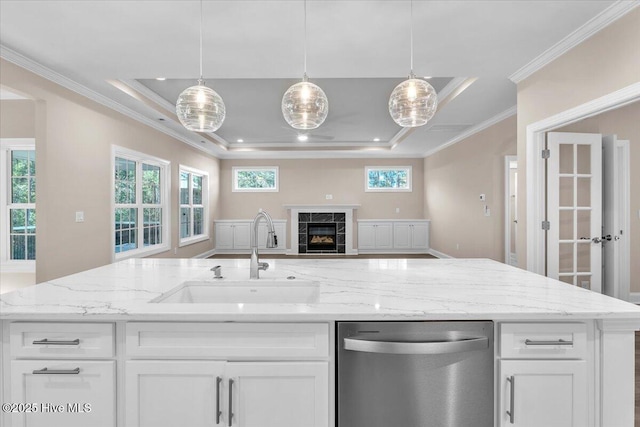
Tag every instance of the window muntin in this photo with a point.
(396, 178)
(193, 205)
(141, 191)
(255, 179)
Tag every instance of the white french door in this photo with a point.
(574, 209)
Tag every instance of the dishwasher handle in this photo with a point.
(431, 347)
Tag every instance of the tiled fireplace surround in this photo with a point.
(302, 215)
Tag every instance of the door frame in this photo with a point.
(507, 200)
(535, 165)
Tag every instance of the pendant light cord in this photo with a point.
(200, 39)
(305, 38)
(411, 26)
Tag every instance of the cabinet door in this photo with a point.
(543, 393)
(420, 236)
(242, 236)
(384, 235)
(224, 236)
(72, 394)
(278, 394)
(402, 236)
(174, 393)
(366, 236)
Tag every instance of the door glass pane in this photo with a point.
(565, 254)
(584, 224)
(18, 247)
(566, 158)
(31, 247)
(20, 190)
(584, 159)
(18, 221)
(566, 192)
(567, 279)
(584, 192)
(566, 225)
(584, 257)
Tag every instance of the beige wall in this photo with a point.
(624, 122)
(74, 136)
(308, 181)
(606, 62)
(17, 118)
(454, 179)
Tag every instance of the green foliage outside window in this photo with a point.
(256, 179)
(388, 178)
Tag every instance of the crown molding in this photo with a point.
(57, 78)
(477, 128)
(597, 23)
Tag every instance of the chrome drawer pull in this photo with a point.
(230, 402)
(512, 396)
(47, 342)
(559, 342)
(47, 371)
(218, 411)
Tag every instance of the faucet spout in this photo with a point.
(272, 242)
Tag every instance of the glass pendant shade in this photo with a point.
(200, 109)
(413, 102)
(305, 105)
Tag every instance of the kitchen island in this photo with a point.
(135, 355)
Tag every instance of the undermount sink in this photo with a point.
(262, 291)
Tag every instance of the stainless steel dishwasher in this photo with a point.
(415, 374)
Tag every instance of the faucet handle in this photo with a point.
(263, 266)
(217, 270)
(272, 240)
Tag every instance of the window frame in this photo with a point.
(205, 205)
(165, 206)
(234, 179)
(408, 169)
(7, 145)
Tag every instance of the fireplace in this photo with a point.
(321, 236)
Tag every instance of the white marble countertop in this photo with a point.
(350, 289)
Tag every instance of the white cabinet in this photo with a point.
(536, 386)
(375, 235)
(273, 394)
(411, 235)
(549, 393)
(393, 236)
(174, 393)
(234, 236)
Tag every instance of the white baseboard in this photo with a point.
(439, 254)
(206, 254)
(634, 297)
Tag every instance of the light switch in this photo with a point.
(483, 197)
(328, 196)
(487, 211)
(79, 216)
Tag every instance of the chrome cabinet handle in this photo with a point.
(230, 402)
(47, 371)
(218, 411)
(512, 395)
(47, 342)
(559, 342)
(436, 347)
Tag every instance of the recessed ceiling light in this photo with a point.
(161, 119)
(428, 77)
(302, 137)
(241, 140)
(376, 139)
(161, 79)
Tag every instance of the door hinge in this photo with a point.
(546, 154)
(546, 225)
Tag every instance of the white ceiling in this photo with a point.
(253, 50)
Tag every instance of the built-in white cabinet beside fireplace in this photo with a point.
(401, 236)
(234, 236)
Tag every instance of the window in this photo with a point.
(141, 194)
(194, 211)
(255, 179)
(395, 178)
(18, 247)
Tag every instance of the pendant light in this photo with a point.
(305, 105)
(199, 108)
(414, 101)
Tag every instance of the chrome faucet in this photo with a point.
(272, 242)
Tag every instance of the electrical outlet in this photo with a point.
(457, 246)
(79, 216)
(483, 197)
(584, 284)
(175, 251)
(397, 210)
(328, 196)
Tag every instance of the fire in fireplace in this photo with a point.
(321, 237)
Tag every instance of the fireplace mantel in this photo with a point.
(346, 209)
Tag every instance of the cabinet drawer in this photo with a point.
(543, 340)
(228, 340)
(61, 340)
